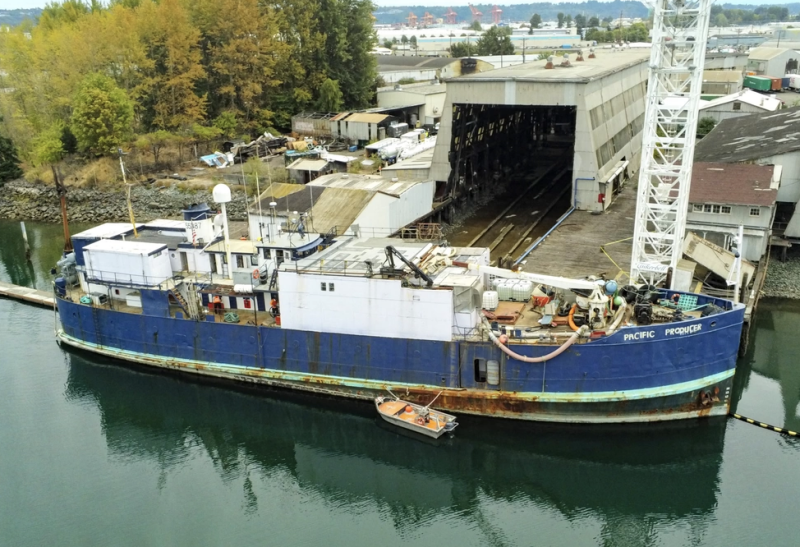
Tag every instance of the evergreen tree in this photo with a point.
(9, 162)
(173, 45)
(536, 21)
(330, 96)
(495, 41)
(560, 18)
(463, 49)
(102, 115)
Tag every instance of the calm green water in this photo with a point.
(94, 453)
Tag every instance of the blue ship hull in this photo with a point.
(646, 373)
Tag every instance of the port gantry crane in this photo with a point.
(450, 16)
(677, 57)
(476, 15)
(496, 15)
(412, 19)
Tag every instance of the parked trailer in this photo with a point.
(777, 84)
(758, 83)
(794, 81)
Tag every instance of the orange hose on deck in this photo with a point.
(572, 324)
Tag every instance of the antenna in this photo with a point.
(222, 195)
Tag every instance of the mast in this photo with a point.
(677, 58)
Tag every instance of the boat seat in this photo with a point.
(392, 407)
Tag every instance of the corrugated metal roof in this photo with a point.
(748, 96)
(728, 76)
(308, 165)
(338, 207)
(751, 137)
(370, 183)
(363, 117)
(766, 53)
(732, 184)
(278, 190)
(339, 116)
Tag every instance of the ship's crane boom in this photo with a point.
(549, 280)
(677, 58)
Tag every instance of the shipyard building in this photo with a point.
(583, 111)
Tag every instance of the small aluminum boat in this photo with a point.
(414, 417)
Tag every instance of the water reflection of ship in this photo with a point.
(621, 475)
(773, 353)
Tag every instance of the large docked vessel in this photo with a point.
(347, 316)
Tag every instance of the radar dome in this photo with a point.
(221, 193)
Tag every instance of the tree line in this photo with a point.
(90, 77)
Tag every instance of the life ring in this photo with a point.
(256, 274)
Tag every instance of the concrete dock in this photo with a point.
(575, 248)
(26, 294)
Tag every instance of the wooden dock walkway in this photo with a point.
(26, 294)
(575, 249)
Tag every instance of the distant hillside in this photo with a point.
(517, 12)
(13, 17)
(547, 10)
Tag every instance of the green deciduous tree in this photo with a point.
(102, 115)
(536, 21)
(475, 25)
(560, 17)
(48, 147)
(593, 22)
(9, 162)
(227, 124)
(330, 96)
(705, 125)
(413, 43)
(463, 49)
(154, 142)
(495, 41)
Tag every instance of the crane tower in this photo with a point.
(450, 16)
(476, 15)
(677, 57)
(496, 14)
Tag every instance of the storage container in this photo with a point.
(503, 288)
(758, 83)
(521, 292)
(777, 84)
(490, 300)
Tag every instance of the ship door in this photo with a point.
(480, 367)
(184, 262)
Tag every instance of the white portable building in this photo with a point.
(127, 262)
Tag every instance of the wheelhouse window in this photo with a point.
(755, 211)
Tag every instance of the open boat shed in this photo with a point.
(583, 110)
(305, 170)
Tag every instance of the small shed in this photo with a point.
(127, 263)
(304, 170)
(362, 127)
(313, 124)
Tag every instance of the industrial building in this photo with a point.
(726, 196)
(774, 62)
(590, 109)
(726, 61)
(427, 99)
(368, 205)
(721, 82)
(393, 68)
(770, 138)
(738, 104)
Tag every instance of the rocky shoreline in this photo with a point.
(783, 279)
(21, 200)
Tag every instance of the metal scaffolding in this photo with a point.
(680, 31)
